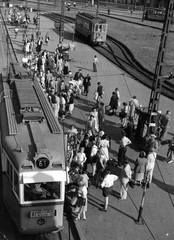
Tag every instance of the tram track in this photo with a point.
(121, 56)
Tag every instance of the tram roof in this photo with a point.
(91, 17)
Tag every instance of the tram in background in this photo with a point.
(33, 157)
(93, 29)
(155, 15)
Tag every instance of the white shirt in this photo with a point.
(94, 150)
(24, 59)
(125, 141)
(109, 180)
(151, 160)
(81, 158)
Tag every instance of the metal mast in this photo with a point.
(97, 10)
(38, 13)
(158, 79)
(61, 34)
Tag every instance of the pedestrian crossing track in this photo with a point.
(164, 184)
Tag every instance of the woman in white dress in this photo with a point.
(95, 113)
(103, 150)
(83, 193)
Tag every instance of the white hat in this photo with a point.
(101, 133)
(153, 135)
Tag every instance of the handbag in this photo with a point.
(131, 183)
(81, 201)
(74, 201)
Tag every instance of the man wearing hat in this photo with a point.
(152, 143)
(100, 89)
(91, 125)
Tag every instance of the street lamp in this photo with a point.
(61, 33)
(97, 10)
(144, 9)
(38, 14)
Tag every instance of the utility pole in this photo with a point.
(144, 10)
(26, 4)
(97, 10)
(62, 17)
(38, 13)
(158, 78)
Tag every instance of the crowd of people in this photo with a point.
(93, 145)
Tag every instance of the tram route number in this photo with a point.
(49, 213)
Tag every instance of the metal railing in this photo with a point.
(10, 49)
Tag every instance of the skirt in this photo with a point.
(107, 191)
(71, 107)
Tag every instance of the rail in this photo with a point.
(10, 48)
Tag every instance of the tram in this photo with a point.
(33, 157)
(93, 29)
(156, 15)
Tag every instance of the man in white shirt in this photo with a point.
(107, 186)
(151, 158)
(81, 157)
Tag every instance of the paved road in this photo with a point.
(118, 222)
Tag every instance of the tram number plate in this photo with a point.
(49, 213)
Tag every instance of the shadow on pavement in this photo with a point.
(166, 187)
(95, 202)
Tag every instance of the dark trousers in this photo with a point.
(121, 155)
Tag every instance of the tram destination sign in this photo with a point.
(48, 213)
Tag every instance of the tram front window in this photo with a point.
(41, 191)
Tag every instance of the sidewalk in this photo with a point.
(118, 222)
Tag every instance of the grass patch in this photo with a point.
(143, 42)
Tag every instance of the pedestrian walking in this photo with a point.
(81, 157)
(95, 63)
(123, 114)
(47, 38)
(86, 84)
(82, 192)
(113, 103)
(78, 75)
(71, 104)
(101, 116)
(103, 150)
(107, 186)
(94, 156)
(55, 100)
(165, 125)
(126, 176)
(39, 46)
(152, 143)
(170, 152)
(16, 30)
(151, 158)
(140, 167)
(123, 148)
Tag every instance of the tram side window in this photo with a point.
(104, 27)
(100, 27)
(9, 171)
(96, 29)
(16, 184)
(42, 191)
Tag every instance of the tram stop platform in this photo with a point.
(118, 222)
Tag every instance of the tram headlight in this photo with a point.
(41, 221)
